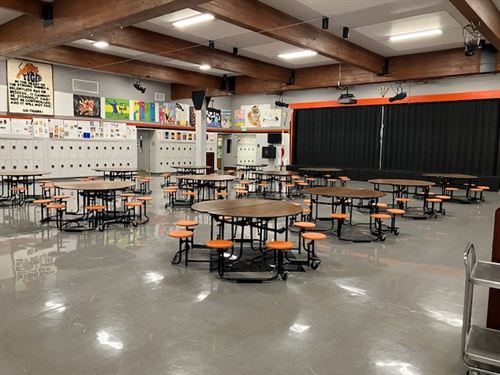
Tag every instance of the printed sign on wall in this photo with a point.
(213, 118)
(86, 106)
(30, 87)
(117, 109)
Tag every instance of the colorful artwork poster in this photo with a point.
(86, 106)
(181, 114)
(166, 112)
(253, 114)
(226, 118)
(271, 118)
(213, 118)
(30, 88)
(192, 116)
(117, 109)
(239, 118)
(143, 111)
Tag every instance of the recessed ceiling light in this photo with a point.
(205, 67)
(101, 44)
(193, 20)
(418, 34)
(297, 54)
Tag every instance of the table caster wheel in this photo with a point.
(315, 264)
(444, 212)
(284, 276)
(382, 237)
(396, 232)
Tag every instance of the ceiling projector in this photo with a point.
(346, 98)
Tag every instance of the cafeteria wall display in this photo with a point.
(167, 113)
(192, 116)
(30, 88)
(226, 118)
(143, 111)
(253, 114)
(213, 118)
(86, 106)
(117, 109)
(272, 118)
(181, 114)
(239, 118)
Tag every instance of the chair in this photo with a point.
(340, 217)
(190, 196)
(240, 193)
(221, 246)
(378, 224)
(402, 203)
(306, 214)
(278, 247)
(43, 206)
(19, 194)
(443, 199)
(144, 185)
(60, 208)
(476, 194)
(166, 179)
(433, 201)
(450, 190)
(171, 195)
(131, 214)
(395, 212)
(184, 237)
(97, 211)
(312, 260)
(221, 195)
(344, 180)
(303, 226)
(331, 182)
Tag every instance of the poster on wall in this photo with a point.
(239, 118)
(167, 113)
(213, 118)
(30, 87)
(253, 114)
(192, 117)
(86, 106)
(181, 114)
(271, 118)
(226, 118)
(143, 111)
(117, 109)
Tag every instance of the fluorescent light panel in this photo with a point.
(193, 20)
(418, 34)
(297, 54)
(205, 67)
(101, 44)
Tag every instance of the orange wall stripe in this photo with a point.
(472, 95)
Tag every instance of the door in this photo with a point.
(211, 161)
(144, 150)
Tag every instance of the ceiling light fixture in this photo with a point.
(418, 34)
(101, 44)
(193, 20)
(297, 54)
(205, 67)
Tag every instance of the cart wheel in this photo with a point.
(315, 264)
(284, 276)
(444, 212)
(396, 231)
(382, 238)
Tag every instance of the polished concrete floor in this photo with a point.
(112, 303)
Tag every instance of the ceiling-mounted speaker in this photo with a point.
(345, 32)
(325, 23)
(207, 101)
(198, 97)
(235, 51)
(47, 14)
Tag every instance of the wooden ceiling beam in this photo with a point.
(32, 7)
(79, 19)
(259, 17)
(164, 45)
(484, 15)
(423, 66)
(114, 64)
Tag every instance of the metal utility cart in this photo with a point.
(480, 345)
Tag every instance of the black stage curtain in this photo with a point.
(460, 137)
(337, 137)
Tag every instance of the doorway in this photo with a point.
(144, 138)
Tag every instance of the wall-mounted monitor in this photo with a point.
(274, 138)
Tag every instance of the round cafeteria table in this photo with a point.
(249, 215)
(272, 177)
(191, 169)
(24, 178)
(454, 180)
(122, 173)
(400, 188)
(247, 168)
(94, 192)
(209, 183)
(321, 172)
(345, 197)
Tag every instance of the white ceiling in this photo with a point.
(371, 23)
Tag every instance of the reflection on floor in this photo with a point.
(111, 303)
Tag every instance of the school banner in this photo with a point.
(30, 89)
(117, 109)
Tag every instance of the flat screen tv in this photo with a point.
(274, 138)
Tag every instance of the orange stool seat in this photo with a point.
(380, 216)
(219, 244)
(42, 201)
(306, 211)
(313, 236)
(396, 211)
(180, 234)
(222, 194)
(127, 195)
(339, 216)
(404, 200)
(279, 245)
(143, 199)
(483, 187)
(133, 204)
(434, 200)
(59, 197)
(381, 205)
(452, 189)
(307, 201)
(18, 188)
(190, 193)
(443, 197)
(171, 189)
(187, 223)
(304, 224)
(96, 207)
(477, 189)
(166, 174)
(56, 205)
(295, 177)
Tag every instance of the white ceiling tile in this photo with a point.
(7, 15)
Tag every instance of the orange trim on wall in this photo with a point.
(472, 95)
